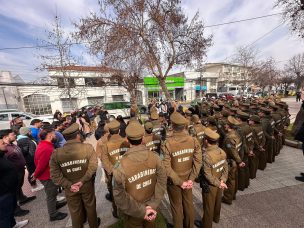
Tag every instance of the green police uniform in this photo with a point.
(247, 149)
(112, 151)
(215, 169)
(152, 141)
(76, 162)
(198, 129)
(139, 181)
(232, 146)
(268, 128)
(183, 160)
(260, 158)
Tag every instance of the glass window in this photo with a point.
(3, 117)
(69, 104)
(117, 97)
(95, 100)
(38, 104)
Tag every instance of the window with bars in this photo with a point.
(68, 104)
(38, 104)
(95, 100)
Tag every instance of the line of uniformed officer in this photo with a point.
(140, 177)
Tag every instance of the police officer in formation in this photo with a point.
(74, 167)
(221, 147)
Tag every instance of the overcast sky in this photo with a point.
(24, 22)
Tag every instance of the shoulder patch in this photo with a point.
(116, 165)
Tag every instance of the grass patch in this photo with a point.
(161, 222)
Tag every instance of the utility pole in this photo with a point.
(4, 97)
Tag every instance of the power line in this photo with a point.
(238, 21)
(76, 43)
(258, 39)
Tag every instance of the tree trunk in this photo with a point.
(133, 97)
(162, 83)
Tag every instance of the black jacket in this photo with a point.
(8, 176)
(28, 148)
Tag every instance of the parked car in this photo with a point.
(7, 115)
(122, 108)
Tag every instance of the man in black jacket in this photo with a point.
(8, 183)
(28, 146)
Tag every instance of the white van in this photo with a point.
(7, 115)
(230, 89)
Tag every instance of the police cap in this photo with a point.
(255, 118)
(74, 128)
(154, 115)
(148, 126)
(242, 115)
(211, 135)
(178, 119)
(195, 119)
(114, 125)
(265, 110)
(188, 112)
(232, 121)
(135, 131)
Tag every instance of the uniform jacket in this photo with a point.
(74, 162)
(180, 151)
(215, 165)
(127, 204)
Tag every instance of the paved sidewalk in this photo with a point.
(274, 199)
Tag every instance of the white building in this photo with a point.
(86, 87)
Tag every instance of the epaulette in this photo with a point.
(116, 165)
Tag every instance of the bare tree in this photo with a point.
(295, 69)
(157, 31)
(246, 58)
(58, 57)
(286, 81)
(265, 74)
(293, 13)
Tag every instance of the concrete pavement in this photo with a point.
(274, 198)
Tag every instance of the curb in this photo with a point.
(292, 143)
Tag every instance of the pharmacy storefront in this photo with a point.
(175, 87)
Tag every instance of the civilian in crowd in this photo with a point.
(57, 115)
(9, 185)
(123, 125)
(16, 124)
(60, 141)
(36, 125)
(28, 147)
(42, 158)
(14, 155)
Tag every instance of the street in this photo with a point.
(273, 199)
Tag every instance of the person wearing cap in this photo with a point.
(212, 123)
(198, 129)
(101, 141)
(158, 127)
(232, 146)
(247, 149)
(260, 158)
(36, 125)
(139, 181)
(73, 167)
(152, 141)
(276, 116)
(183, 160)
(267, 124)
(111, 152)
(215, 168)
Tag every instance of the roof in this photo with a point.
(103, 69)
